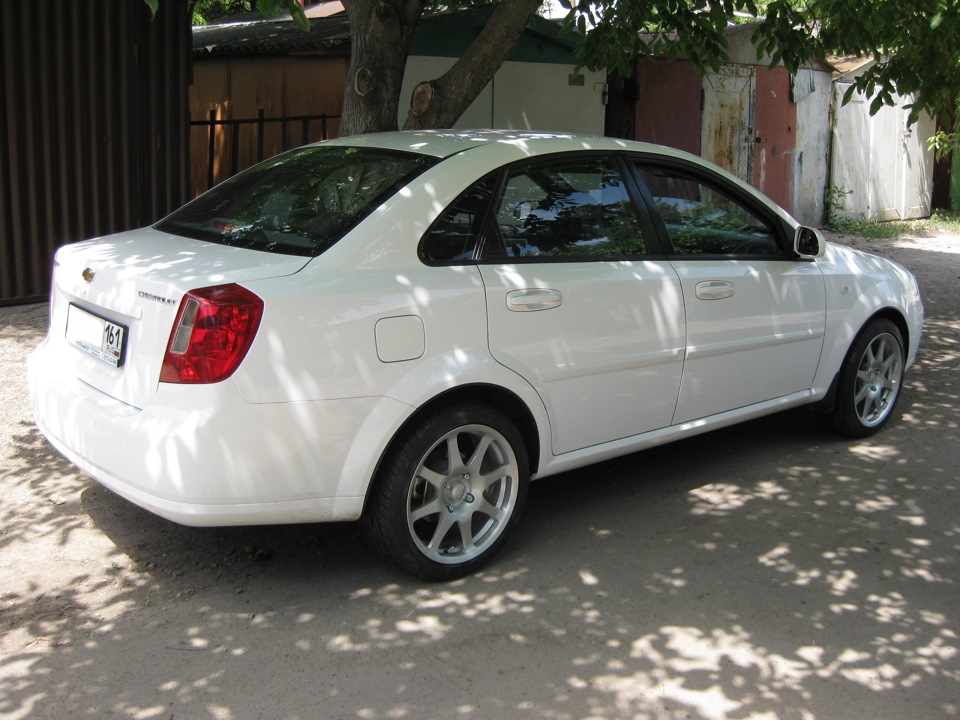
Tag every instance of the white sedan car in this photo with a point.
(407, 328)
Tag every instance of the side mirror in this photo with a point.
(809, 242)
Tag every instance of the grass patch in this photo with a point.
(940, 223)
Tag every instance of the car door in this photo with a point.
(755, 314)
(576, 302)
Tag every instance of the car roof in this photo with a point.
(504, 146)
(444, 143)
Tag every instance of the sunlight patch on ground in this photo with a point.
(876, 453)
(719, 499)
(942, 243)
(722, 672)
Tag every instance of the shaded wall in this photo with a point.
(93, 127)
(546, 96)
(775, 137)
(669, 105)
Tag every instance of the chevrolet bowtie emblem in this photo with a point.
(89, 274)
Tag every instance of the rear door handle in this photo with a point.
(714, 290)
(533, 299)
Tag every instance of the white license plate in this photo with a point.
(98, 336)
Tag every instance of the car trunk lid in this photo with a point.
(114, 301)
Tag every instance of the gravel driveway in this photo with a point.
(769, 570)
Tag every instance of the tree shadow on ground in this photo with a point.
(764, 570)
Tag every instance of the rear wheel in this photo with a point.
(870, 380)
(449, 492)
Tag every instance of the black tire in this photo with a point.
(438, 507)
(869, 383)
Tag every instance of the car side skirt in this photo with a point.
(625, 446)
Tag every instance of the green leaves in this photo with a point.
(154, 5)
(272, 8)
(915, 46)
(944, 143)
(299, 16)
(691, 29)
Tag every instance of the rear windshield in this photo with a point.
(298, 203)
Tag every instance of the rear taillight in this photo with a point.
(212, 333)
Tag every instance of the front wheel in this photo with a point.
(449, 492)
(870, 380)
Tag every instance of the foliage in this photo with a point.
(941, 222)
(205, 11)
(272, 8)
(616, 31)
(833, 198)
(944, 143)
(915, 45)
(876, 229)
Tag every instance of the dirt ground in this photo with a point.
(770, 570)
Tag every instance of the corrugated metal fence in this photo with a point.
(93, 127)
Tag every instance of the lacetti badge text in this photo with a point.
(156, 298)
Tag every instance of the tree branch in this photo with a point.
(440, 102)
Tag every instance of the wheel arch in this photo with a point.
(894, 315)
(897, 318)
(495, 396)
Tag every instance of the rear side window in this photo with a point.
(571, 208)
(298, 203)
(456, 235)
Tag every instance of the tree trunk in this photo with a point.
(439, 103)
(380, 33)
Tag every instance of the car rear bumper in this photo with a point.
(231, 463)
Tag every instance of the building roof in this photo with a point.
(848, 65)
(444, 34)
(272, 37)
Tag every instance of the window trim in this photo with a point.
(649, 233)
(718, 184)
(481, 223)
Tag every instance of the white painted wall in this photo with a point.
(522, 96)
(812, 153)
(883, 167)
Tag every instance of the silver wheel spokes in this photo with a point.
(878, 379)
(462, 494)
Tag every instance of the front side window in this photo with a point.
(298, 203)
(575, 208)
(701, 219)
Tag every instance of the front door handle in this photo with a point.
(714, 290)
(533, 299)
